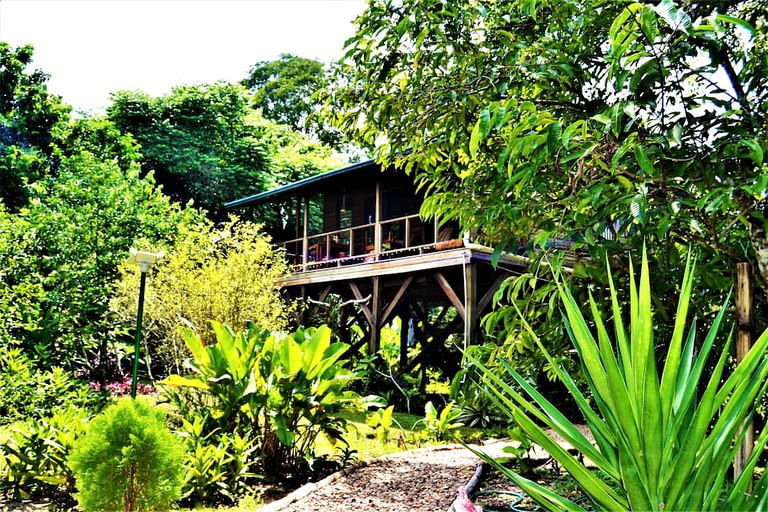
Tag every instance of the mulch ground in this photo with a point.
(425, 479)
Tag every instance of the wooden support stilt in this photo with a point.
(321, 298)
(302, 317)
(324, 294)
(744, 320)
(358, 318)
(396, 300)
(373, 346)
(470, 303)
(452, 296)
(377, 234)
(404, 325)
(359, 296)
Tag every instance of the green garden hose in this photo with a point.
(518, 498)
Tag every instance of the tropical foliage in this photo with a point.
(663, 440)
(281, 389)
(197, 142)
(205, 144)
(34, 458)
(440, 425)
(230, 273)
(282, 88)
(29, 116)
(59, 255)
(286, 91)
(591, 126)
(31, 393)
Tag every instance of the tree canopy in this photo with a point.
(73, 201)
(28, 116)
(286, 91)
(206, 144)
(594, 124)
(197, 141)
(76, 194)
(283, 88)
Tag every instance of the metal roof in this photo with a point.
(296, 186)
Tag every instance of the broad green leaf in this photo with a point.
(554, 134)
(191, 382)
(755, 151)
(281, 430)
(675, 18)
(623, 32)
(624, 182)
(474, 140)
(648, 24)
(645, 77)
(748, 27)
(643, 161)
(291, 356)
(330, 356)
(480, 131)
(195, 345)
(314, 348)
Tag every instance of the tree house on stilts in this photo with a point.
(356, 232)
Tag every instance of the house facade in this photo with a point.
(356, 232)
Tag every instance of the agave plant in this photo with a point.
(661, 441)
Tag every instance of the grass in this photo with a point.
(361, 438)
(246, 504)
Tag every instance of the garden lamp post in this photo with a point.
(145, 261)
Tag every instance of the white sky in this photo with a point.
(94, 47)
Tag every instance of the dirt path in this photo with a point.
(425, 480)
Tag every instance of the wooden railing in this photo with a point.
(361, 244)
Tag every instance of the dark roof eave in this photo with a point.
(293, 188)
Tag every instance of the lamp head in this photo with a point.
(144, 260)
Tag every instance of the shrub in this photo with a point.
(218, 466)
(32, 393)
(478, 409)
(36, 451)
(663, 441)
(230, 274)
(440, 426)
(59, 255)
(127, 460)
(381, 421)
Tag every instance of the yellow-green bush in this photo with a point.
(228, 274)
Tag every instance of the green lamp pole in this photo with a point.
(145, 262)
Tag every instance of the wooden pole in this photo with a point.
(405, 320)
(744, 320)
(373, 346)
(377, 234)
(470, 303)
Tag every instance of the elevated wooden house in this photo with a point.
(356, 232)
